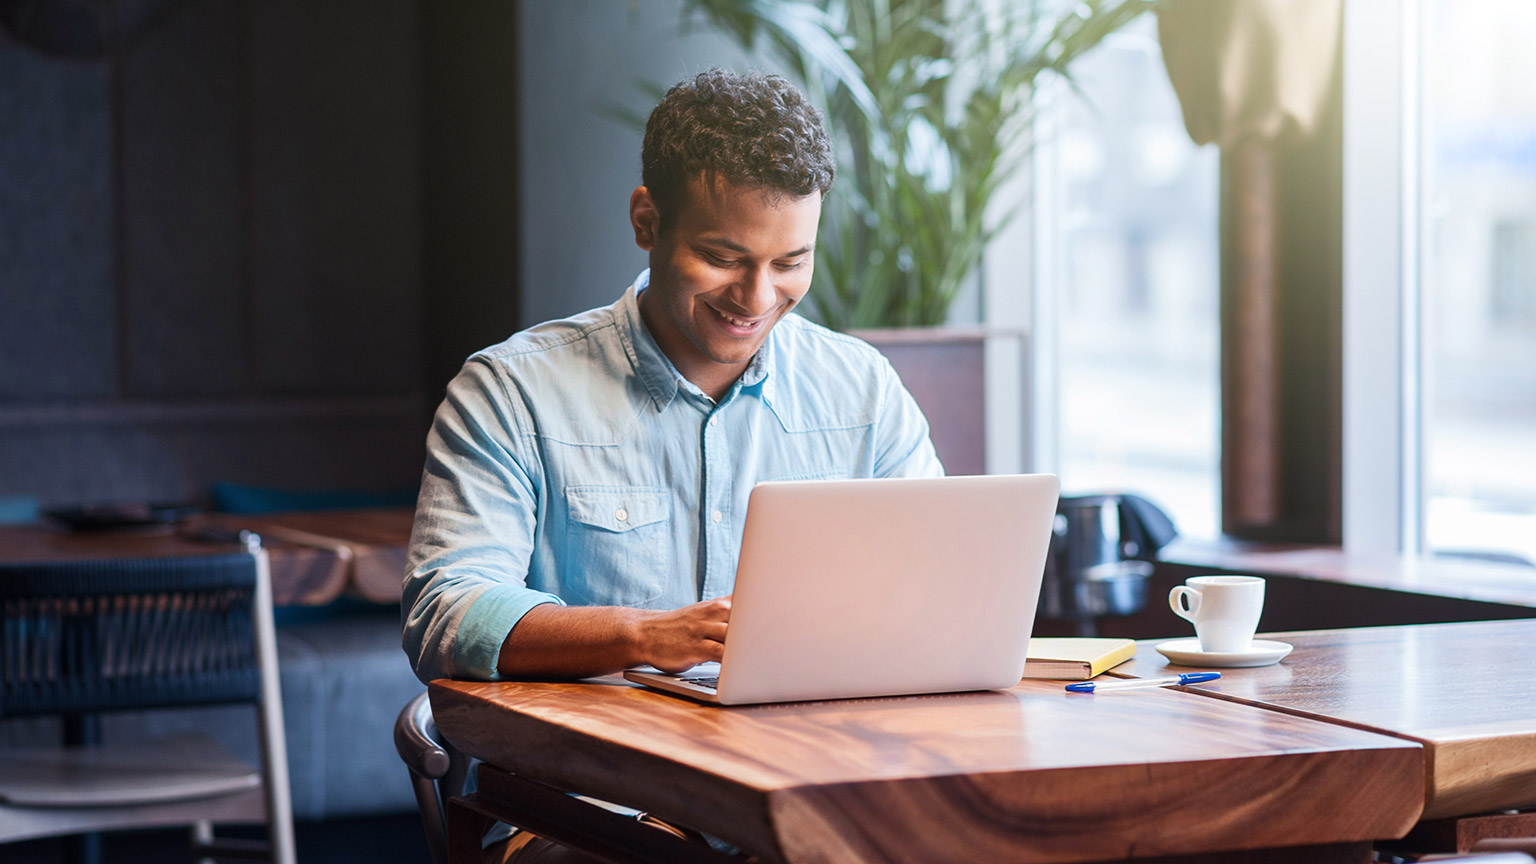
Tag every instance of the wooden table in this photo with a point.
(1466, 692)
(1032, 773)
(315, 557)
(367, 547)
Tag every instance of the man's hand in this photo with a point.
(582, 641)
(674, 641)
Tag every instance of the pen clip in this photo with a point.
(1197, 677)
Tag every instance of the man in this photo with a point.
(586, 481)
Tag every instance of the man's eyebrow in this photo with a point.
(742, 250)
(726, 243)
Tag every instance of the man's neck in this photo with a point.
(717, 390)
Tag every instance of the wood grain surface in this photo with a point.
(315, 557)
(1033, 773)
(1459, 835)
(46, 542)
(1467, 692)
(301, 575)
(369, 544)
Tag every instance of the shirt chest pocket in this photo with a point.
(617, 545)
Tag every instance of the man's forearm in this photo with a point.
(582, 641)
(571, 642)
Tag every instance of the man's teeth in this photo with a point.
(737, 321)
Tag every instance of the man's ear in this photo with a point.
(644, 218)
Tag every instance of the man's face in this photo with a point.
(731, 262)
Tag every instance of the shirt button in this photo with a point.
(621, 514)
(714, 421)
(717, 515)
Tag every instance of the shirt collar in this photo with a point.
(762, 362)
(661, 378)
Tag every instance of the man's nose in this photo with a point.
(758, 294)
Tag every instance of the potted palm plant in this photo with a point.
(929, 103)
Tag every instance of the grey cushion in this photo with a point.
(346, 681)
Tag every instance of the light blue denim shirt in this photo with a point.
(573, 464)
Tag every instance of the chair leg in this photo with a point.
(83, 730)
(83, 849)
(202, 838)
(274, 741)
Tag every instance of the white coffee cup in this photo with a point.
(1224, 609)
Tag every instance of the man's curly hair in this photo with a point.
(751, 130)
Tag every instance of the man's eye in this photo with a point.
(792, 265)
(717, 260)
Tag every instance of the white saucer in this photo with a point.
(1186, 652)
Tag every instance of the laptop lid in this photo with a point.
(885, 587)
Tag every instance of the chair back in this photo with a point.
(437, 770)
(84, 636)
(80, 637)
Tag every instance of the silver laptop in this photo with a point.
(888, 587)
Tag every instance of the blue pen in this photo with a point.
(1186, 678)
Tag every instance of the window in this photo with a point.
(1127, 310)
(1440, 213)
(1479, 276)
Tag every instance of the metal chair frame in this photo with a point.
(80, 638)
(437, 771)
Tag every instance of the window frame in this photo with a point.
(1383, 458)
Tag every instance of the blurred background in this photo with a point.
(250, 242)
(1273, 265)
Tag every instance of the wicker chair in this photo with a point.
(83, 637)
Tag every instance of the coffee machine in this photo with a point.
(1100, 558)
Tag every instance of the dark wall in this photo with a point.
(214, 248)
(469, 182)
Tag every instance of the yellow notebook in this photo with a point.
(1074, 659)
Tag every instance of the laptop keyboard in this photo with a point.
(711, 683)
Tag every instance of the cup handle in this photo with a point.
(1190, 596)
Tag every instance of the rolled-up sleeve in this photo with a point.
(466, 572)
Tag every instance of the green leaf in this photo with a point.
(929, 104)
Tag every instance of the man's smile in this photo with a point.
(746, 324)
